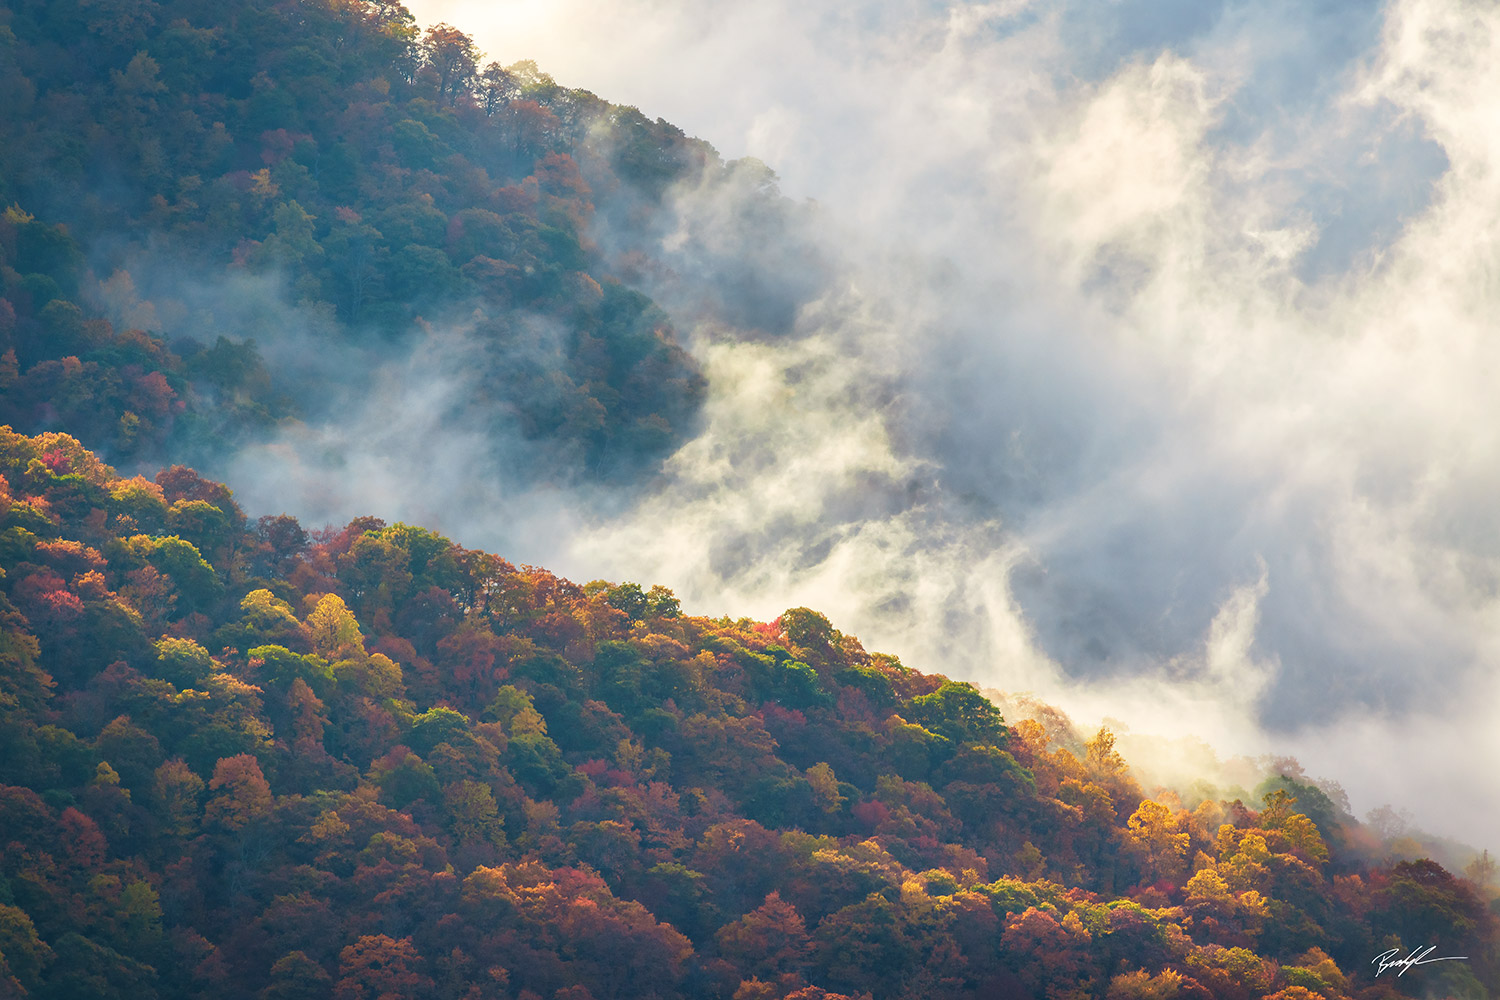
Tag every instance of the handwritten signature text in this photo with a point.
(1388, 960)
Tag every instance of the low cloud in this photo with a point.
(1146, 361)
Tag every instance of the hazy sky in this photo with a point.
(1155, 370)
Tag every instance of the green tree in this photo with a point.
(24, 956)
(297, 977)
(959, 712)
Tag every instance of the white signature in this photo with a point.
(1388, 959)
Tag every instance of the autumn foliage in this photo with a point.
(195, 196)
(248, 760)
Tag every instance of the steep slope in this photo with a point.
(220, 213)
(245, 761)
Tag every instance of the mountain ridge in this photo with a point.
(248, 759)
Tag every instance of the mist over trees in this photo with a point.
(368, 178)
(251, 758)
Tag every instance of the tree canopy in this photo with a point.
(271, 765)
(200, 195)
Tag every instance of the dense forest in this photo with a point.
(186, 181)
(251, 758)
(244, 760)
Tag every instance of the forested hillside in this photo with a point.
(186, 178)
(247, 758)
(242, 760)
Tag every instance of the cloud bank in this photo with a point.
(1151, 369)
